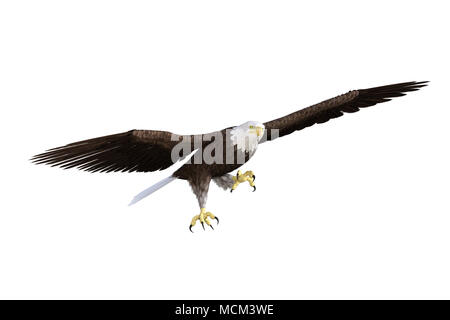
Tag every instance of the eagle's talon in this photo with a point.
(203, 217)
(240, 177)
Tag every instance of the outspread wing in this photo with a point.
(336, 107)
(135, 150)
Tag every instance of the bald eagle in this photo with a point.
(210, 156)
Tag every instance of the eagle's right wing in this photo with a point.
(335, 107)
(135, 150)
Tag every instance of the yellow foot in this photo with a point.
(243, 177)
(203, 217)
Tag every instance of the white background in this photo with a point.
(354, 208)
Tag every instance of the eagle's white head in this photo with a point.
(247, 135)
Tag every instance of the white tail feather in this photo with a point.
(164, 181)
(152, 189)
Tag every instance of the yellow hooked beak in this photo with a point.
(259, 131)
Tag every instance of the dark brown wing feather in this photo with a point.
(336, 107)
(135, 150)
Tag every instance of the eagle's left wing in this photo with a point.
(135, 150)
(336, 107)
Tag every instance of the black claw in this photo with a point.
(190, 228)
(231, 191)
(254, 177)
(254, 188)
(217, 219)
(203, 225)
(211, 227)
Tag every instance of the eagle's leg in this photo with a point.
(200, 186)
(240, 177)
